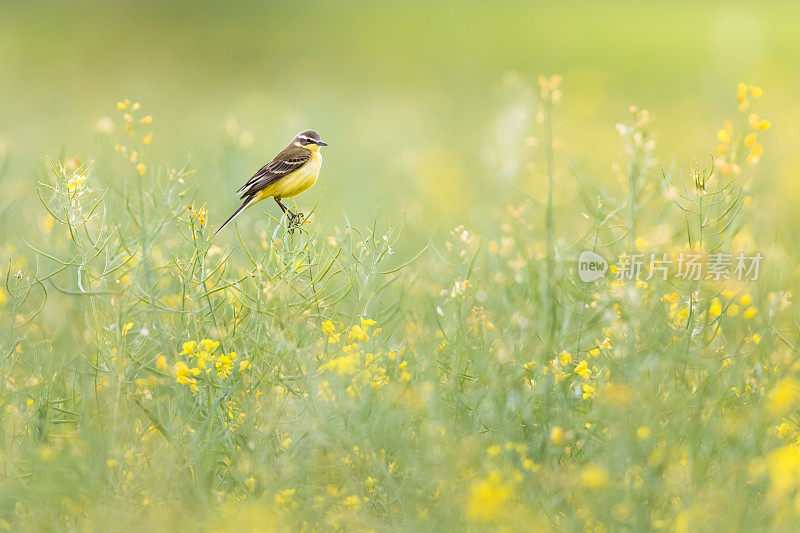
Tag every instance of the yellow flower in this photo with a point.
(557, 435)
(750, 313)
(723, 136)
(733, 310)
(582, 369)
(752, 120)
(750, 140)
(755, 154)
(366, 323)
(140, 168)
(189, 347)
(328, 328)
(487, 498)
(148, 138)
(224, 365)
(783, 466)
(672, 297)
(285, 496)
(756, 338)
(764, 124)
(183, 375)
(783, 396)
(565, 357)
(250, 483)
(756, 91)
(244, 365)
(209, 345)
(741, 92)
(594, 477)
(342, 365)
(161, 362)
(146, 120)
(121, 106)
(715, 309)
(126, 328)
(353, 502)
(746, 299)
(643, 433)
(357, 332)
(588, 391)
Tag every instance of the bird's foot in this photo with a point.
(295, 220)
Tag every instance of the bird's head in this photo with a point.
(308, 139)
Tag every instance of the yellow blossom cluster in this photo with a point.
(130, 109)
(364, 367)
(734, 146)
(204, 361)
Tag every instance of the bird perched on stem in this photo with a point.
(294, 170)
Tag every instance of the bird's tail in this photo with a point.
(245, 204)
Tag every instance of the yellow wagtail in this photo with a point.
(294, 170)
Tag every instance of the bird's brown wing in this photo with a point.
(290, 159)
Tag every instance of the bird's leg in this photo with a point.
(294, 220)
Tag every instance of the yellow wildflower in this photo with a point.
(357, 332)
(328, 328)
(715, 309)
(146, 120)
(582, 369)
(285, 496)
(183, 375)
(342, 365)
(783, 396)
(487, 498)
(209, 345)
(594, 477)
(783, 466)
(189, 348)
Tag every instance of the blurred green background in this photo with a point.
(425, 105)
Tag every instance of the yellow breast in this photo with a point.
(298, 181)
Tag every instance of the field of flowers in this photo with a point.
(338, 378)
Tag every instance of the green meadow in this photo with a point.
(545, 279)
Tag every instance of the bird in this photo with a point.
(294, 170)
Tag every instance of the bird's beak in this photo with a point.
(321, 143)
